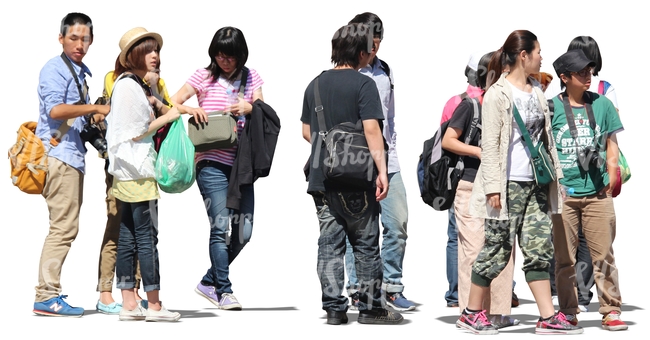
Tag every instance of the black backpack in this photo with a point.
(438, 170)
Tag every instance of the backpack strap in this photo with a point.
(463, 95)
(474, 126)
(386, 68)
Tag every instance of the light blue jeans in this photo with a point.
(394, 217)
(452, 258)
(212, 179)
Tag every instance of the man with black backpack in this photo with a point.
(343, 95)
(64, 110)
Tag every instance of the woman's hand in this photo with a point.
(155, 103)
(200, 116)
(494, 200)
(241, 108)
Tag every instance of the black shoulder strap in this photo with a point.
(82, 93)
(244, 79)
(463, 95)
(146, 88)
(320, 111)
(386, 68)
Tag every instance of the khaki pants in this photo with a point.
(108, 251)
(471, 237)
(596, 215)
(63, 193)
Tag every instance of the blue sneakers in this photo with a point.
(57, 307)
(110, 309)
(398, 302)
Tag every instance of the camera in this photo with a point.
(590, 155)
(95, 134)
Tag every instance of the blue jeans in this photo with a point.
(212, 179)
(355, 216)
(138, 237)
(394, 217)
(452, 258)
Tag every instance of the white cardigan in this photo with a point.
(130, 117)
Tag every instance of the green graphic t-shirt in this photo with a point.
(584, 183)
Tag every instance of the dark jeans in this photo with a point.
(584, 272)
(138, 237)
(355, 215)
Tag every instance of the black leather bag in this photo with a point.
(345, 156)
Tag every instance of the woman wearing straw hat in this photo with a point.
(131, 162)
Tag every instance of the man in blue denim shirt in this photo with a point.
(394, 210)
(61, 103)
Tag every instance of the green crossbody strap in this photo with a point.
(524, 132)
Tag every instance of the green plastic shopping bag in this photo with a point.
(624, 167)
(175, 171)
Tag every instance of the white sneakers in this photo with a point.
(162, 315)
(140, 313)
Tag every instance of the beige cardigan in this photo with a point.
(495, 137)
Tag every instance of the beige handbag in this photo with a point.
(220, 131)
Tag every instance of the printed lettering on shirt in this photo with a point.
(570, 146)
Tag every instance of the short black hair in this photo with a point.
(348, 42)
(74, 18)
(230, 42)
(371, 20)
(588, 45)
(482, 74)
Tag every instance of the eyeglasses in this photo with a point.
(229, 59)
(584, 72)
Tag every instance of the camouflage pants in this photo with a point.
(529, 221)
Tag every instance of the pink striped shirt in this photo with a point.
(212, 96)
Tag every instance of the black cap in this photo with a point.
(572, 61)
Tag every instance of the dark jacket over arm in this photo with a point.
(255, 151)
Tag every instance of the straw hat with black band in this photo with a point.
(133, 36)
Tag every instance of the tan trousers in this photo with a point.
(471, 237)
(108, 251)
(596, 215)
(63, 193)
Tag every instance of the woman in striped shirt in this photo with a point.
(214, 87)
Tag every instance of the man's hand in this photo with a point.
(102, 109)
(382, 186)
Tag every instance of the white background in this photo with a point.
(275, 276)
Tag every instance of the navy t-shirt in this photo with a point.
(346, 96)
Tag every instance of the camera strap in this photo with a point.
(571, 118)
(83, 93)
